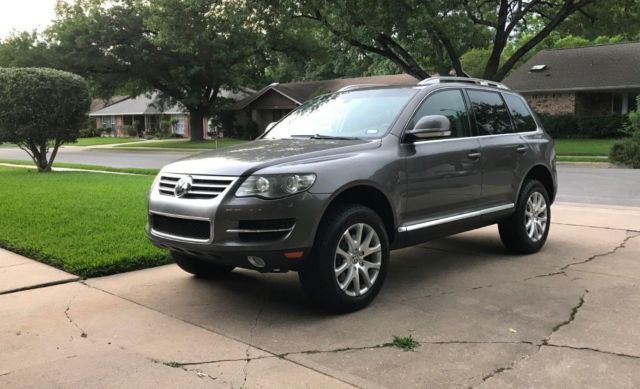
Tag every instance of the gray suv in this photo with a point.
(332, 188)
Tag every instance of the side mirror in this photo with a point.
(431, 126)
(270, 126)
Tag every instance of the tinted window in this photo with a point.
(490, 112)
(522, 117)
(449, 103)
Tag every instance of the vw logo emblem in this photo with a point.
(183, 186)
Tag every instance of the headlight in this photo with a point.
(276, 185)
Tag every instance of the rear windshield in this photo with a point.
(358, 114)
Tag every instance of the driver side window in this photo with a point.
(449, 103)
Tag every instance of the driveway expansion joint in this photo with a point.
(40, 286)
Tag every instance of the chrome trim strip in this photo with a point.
(247, 231)
(449, 219)
(200, 177)
(538, 131)
(180, 216)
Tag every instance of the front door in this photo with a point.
(444, 175)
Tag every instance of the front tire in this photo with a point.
(526, 231)
(349, 260)
(198, 267)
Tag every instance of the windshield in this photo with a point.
(351, 114)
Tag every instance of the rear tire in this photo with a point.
(526, 231)
(349, 260)
(198, 267)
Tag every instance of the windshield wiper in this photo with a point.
(320, 136)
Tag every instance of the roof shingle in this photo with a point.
(603, 67)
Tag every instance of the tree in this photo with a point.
(41, 109)
(25, 49)
(189, 50)
(605, 18)
(425, 36)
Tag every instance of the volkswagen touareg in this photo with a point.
(333, 187)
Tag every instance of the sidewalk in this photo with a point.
(20, 273)
(564, 317)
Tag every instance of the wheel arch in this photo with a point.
(368, 195)
(542, 174)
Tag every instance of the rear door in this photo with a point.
(444, 174)
(501, 146)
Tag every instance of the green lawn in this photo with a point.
(584, 147)
(89, 224)
(95, 141)
(187, 144)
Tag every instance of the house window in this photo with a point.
(109, 122)
(178, 127)
(617, 103)
(633, 102)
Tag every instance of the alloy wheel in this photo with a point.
(358, 259)
(535, 216)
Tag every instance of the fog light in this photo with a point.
(256, 261)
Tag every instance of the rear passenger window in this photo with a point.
(449, 103)
(522, 117)
(491, 113)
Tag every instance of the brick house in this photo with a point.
(272, 102)
(584, 81)
(145, 114)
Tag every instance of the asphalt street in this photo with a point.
(577, 184)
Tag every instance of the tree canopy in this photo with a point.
(189, 50)
(41, 109)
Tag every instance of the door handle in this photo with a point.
(521, 149)
(474, 155)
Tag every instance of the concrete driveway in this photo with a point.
(565, 317)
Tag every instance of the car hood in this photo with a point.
(249, 157)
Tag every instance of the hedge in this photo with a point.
(571, 126)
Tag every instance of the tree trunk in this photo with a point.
(196, 129)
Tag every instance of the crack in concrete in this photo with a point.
(572, 315)
(246, 365)
(341, 349)
(610, 252)
(591, 349)
(83, 334)
(598, 227)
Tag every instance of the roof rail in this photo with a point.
(468, 80)
(359, 86)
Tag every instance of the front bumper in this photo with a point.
(225, 244)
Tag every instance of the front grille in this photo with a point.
(183, 228)
(204, 187)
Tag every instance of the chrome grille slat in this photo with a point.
(203, 187)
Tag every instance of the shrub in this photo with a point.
(41, 109)
(571, 126)
(89, 133)
(627, 152)
(130, 130)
